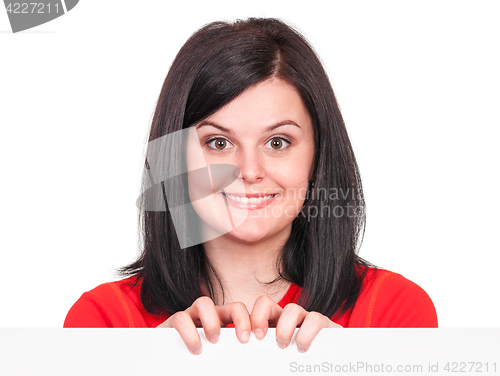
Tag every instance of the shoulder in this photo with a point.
(388, 299)
(111, 304)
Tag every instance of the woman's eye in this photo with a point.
(218, 144)
(278, 143)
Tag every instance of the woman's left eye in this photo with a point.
(278, 143)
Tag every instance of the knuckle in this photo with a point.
(179, 318)
(238, 306)
(258, 320)
(316, 317)
(294, 309)
(212, 325)
(264, 300)
(203, 301)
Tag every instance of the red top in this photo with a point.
(387, 299)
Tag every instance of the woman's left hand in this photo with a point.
(267, 313)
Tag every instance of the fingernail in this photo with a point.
(259, 333)
(197, 351)
(282, 345)
(214, 338)
(301, 349)
(245, 337)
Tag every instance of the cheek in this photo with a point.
(293, 179)
(294, 187)
(294, 173)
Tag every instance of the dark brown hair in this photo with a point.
(214, 66)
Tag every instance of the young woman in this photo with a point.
(275, 239)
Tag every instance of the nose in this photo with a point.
(251, 166)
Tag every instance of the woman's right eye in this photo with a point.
(218, 144)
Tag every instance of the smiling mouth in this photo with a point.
(249, 200)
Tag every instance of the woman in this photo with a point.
(264, 163)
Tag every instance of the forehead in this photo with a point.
(269, 102)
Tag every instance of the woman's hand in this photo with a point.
(203, 312)
(266, 312)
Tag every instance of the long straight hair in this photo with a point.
(214, 66)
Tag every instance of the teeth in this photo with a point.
(246, 200)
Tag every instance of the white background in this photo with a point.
(418, 84)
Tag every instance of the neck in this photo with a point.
(245, 270)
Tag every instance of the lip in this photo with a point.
(249, 205)
(250, 195)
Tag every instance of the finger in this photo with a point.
(311, 326)
(203, 309)
(236, 313)
(265, 312)
(292, 316)
(183, 323)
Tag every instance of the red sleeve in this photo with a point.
(394, 301)
(99, 308)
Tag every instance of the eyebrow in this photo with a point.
(266, 130)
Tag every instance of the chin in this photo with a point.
(251, 232)
(249, 235)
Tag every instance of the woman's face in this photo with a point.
(268, 134)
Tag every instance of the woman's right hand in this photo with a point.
(204, 313)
